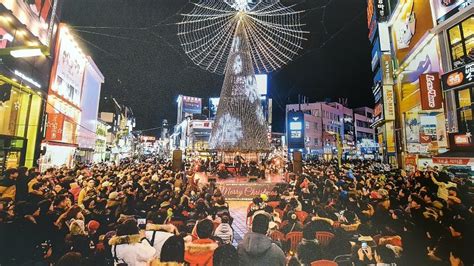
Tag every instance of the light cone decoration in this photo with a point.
(239, 38)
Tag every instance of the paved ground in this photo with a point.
(238, 210)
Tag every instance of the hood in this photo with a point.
(129, 239)
(200, 251)
(224, 229)
(256, 244)
(162, 227)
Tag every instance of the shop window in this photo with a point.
(14, 113)
(461, 42)
(465, 110)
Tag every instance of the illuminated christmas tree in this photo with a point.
(235, 38)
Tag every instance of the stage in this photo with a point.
(239, 187)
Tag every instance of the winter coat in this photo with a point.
(157, 237)
(258, 249)
(7, 188)
(200, 252)
(224, 231)
(308, 251)
(132, 250)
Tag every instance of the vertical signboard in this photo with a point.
(295, 130)
(68, 68)
(54, 127)
(430, 90)
(389, 103)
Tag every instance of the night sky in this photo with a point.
(134, 43)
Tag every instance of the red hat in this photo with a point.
(93, 225)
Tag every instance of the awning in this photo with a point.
(455, 158)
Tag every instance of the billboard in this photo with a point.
(410, 25)
(191, 105)
(295, 130)
(262, 84)
(444, 9)
(430, 90)
(68, 69)
(213, 104)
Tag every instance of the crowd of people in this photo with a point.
(142, 212)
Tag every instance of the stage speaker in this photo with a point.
(297, 162)
(177, 160)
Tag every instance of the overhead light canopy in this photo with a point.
(26, 52)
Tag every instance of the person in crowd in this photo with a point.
(130, 247)
(8, 184)
(225, 255)
(257, 248)
(158, 234)
(309, 249)
(200, 252)
(224, 231)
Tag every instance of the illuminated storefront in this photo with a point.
(456, 39)
(25, 38)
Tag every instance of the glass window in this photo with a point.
(465, 110)
(14, 112)
(461, 42)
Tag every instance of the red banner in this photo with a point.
(453, 160)
(430, 89)
(54, 127)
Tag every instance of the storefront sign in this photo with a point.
(54, 127)
(381, 10)
(389, 103)
(244, 191)
(463, 139)
(27, 79)
(430, 89)
(459, 77)
(451, 161)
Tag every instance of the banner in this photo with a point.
(244, 191)
(54, 127)
(430, 89)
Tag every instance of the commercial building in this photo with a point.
(26, 34)
(366, 144)
(423, 65)
(317, 129)
(63, 110)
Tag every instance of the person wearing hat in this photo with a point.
(257, 248)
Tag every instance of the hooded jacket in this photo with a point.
(224, 231)
(157, 236)
(132, 250)
(200, 252)
(258, 249)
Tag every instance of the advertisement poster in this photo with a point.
(430, 90)
(69, 71)
(390, 137)
(192, 105)
(428, 132)
(410, 26)
(441, 131)
(412, 127)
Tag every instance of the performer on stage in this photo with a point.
(238, 160)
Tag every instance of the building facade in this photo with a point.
(27, 32)
(324, 126)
